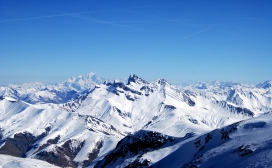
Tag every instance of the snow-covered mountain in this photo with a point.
(28, 131)
(79, 121)
(265, 85)
(255, 98)
(242, 144)
(38, 93)
(81, 83)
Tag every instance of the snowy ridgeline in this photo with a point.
(242, 144)
(87, 121)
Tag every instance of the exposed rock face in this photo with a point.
(1, 134)
(233, 109)
(135, 79)
(266, 84)
(243, 150)
(136, 145)
(49, 142)
(19, 145)
(93, 154)
(188, 100)
(219, 136)
(62, 156)
(74, 104)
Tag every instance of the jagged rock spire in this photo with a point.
(135, 79)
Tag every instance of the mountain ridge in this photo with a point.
(82, 127)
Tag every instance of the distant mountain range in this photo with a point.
(88, 121)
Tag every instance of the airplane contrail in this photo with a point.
(88, 18)
(69, 14)
(108, 23)
(215, 25)
(77, 15)
(198, 32)
(47, 16)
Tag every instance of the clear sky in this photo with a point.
(182, 41)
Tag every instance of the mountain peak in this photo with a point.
(82, 82)
(91, 74)
(135, 79)
(201, 85)
(265, 85)
(222, 85)
(161, 81)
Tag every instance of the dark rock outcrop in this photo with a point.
(136, 145)
(63, 155)
(93, 154)
(135, 79)
(19, 145)
(233, 109)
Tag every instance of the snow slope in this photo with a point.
(7, 161)
(78, 122)
(26, 131)
(161, 107)
(243, 144)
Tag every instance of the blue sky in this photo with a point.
(181, 41)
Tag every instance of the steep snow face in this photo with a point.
(27, 131)
(242, 144)
(161, 107)
(132, 147)
(136, 105)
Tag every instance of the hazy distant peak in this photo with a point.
(161, 81)
(91, 74)
(265, 85)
